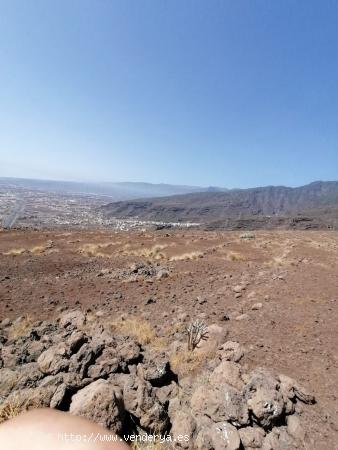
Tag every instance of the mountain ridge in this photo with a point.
(234, 203)
(116, 190)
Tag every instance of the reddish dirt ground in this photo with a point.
(293, 275)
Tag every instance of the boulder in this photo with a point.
(167, 392)
(279, 439)
(291, 389)
(251, 437)
(227, 373)
(242, 317)
(60, 397)
(9, 380)
(162, 273)
(294, 428)
(142, 402)
(107, 363)
(129, 353)
(218, 436)
(155, 368)
(102, 403)
(231, 351)
(183, 425)
(54, 359)
(264, 399)
(256, 306)
(85, 357)
(29, 376)
(238, 288)
(75, 319)
(220, 403)
(225, 436)
(76, 341)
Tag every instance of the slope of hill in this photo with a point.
(210, 206)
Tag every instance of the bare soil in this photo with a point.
(290, 276)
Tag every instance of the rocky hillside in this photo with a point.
(211, 206)
(133, 386)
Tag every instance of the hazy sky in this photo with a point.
(232, 93)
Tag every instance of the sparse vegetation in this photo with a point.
(94, 250)
(14, 252)
(13, 408)
(20, 327)
(9, 411)
(155, 252)
(235, 256)
(185, 362)
(197, 331)
(136, 327)
(187, 256)
(35, 250)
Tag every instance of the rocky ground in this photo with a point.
(103, 315)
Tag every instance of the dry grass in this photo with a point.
(16, 405)
(21, 327)
(187, 256)
(280, 260)
(136, 327)
(159, 344)
(9, 411)
(12, 409)
(94, 250)
(176, 327)
(185, 362)
(14, 252)
(235, 257)
(37, 249)
(154, 252)
(91, 321)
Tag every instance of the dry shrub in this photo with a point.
(176, 327)
(154, 252)
(187, 256)
(235, 256)
(279, 261)
(15, 252)
(185, 362)
(94, 250)
(10, 410)
(91, 322)
(159, 344)
(21, 327)
(37, 249)
(136, 327)
(13, 408)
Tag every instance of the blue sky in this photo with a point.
(230, 93)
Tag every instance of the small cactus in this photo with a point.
(197, 331)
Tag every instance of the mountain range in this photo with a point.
(320, 197)
(117, 191)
